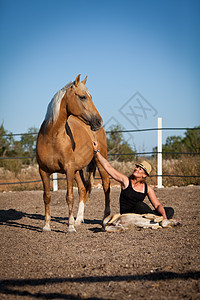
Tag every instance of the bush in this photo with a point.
(13, 165)
(185, 166)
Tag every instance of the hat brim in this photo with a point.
(143, 167)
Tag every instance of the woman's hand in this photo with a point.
(95, 145)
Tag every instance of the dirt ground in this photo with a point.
(92, 264)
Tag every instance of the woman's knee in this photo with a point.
(142, 208)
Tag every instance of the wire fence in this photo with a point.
(135, 154)
(121, 131)
(153, 153)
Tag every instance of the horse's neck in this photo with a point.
(58, 124)
(63, 115)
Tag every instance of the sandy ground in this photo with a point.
(92, 264)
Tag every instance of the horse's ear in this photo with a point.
(84, 80)
(77, 79)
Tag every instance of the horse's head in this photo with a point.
(80, 104)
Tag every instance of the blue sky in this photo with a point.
(142, 59)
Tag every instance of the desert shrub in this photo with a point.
(185, 166)
(13, 165)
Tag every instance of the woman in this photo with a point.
(134, 189)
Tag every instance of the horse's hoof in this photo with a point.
(46, 229)
(71, 229)
(79, 222)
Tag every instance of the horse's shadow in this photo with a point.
(11, 217)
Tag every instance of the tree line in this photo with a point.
(25, 146)
(175, 146)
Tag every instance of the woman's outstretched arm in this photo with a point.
(123, 179)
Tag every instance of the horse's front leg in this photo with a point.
(46, 197)
(70, 200)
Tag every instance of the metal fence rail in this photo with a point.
(121, 131)
(113, 154)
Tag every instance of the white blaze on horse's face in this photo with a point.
(82, 106)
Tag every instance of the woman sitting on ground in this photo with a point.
(134, 189)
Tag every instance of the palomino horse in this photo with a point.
(64, 145)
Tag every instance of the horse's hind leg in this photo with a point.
(106, 186)
(82, 198)
(46, 197)
(84, 181)
(70, 199)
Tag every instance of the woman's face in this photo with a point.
(139, 172)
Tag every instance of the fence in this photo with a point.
(158, 153)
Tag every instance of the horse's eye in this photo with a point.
(82, 97)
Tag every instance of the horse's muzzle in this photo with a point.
(96, 123)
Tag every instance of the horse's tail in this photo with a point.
(88, 177)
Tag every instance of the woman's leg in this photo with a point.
(143, 208)
(168, 210)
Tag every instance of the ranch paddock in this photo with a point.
(92, 264)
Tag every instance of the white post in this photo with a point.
(55, 182)
(159, 157)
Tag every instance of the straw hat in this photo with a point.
(145, 166)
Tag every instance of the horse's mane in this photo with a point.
(54, 106)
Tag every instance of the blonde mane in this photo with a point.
(54, 105)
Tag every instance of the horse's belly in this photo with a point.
(54, 158)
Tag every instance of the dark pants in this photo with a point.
(143, 208)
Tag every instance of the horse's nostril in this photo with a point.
(99, 122)
(96, 123)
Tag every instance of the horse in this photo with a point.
(65, 145)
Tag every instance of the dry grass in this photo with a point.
(177, 167)
(186, 166)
